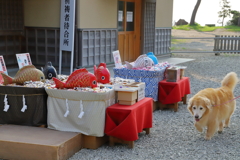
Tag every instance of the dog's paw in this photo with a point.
(226, 126)
(220, 132)
(207, 138)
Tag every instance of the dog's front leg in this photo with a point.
(198, 127)
(211, 129)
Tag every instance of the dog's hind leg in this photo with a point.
(227, 120)
(226, 124)
(220, 127)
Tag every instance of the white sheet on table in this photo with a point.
(94, 106)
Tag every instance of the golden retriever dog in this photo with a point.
(213, 107)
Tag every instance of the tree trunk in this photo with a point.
(192, 22)
(222, 21)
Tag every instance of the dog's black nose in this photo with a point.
(196, 116)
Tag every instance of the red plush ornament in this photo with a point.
(79, 78)
(102, 73)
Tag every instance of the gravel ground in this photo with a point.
(173, 135)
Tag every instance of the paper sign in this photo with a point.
(3, 67)
(117, 59)
(67, 24)
(23, 59)
(120, 16)
(129, 16)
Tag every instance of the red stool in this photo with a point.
(124, 122)
(170, 93)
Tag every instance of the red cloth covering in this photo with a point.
(125, 122)
(172, 92)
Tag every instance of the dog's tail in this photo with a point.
(230, 80)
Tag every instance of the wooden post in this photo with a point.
(228, 43)
(239, 44)
(232, 41)
(216, 45)
(235, 44)
(225, 43)
(221, 44)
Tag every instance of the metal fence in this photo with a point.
(226, 43)
(218, 44)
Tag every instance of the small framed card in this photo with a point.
(23, 59)
(117, 59)
(3, 67)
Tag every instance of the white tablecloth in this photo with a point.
(93, 105)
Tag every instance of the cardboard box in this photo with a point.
(173, 74)
(37, 143)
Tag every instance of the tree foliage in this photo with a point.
(225, 12)
(192, 21)
(235, 17)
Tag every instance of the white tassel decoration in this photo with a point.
(24, 105)
(6, 106)
(81, 110)
(67, 111)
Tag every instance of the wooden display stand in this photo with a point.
(92, 142)
(155, 106)
(113, 140)
(173, 105)
(123, 124)
(170, 93)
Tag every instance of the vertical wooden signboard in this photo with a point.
(67, 24)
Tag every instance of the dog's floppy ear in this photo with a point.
(207, 102)
(189, 107)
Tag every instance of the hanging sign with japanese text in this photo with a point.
(67, 24)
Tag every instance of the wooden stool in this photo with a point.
(124, 123)
(173, 105)
(184, 99)
(113, 140)
(170, 93)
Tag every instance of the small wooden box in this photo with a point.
(127, 102)
(140, 88)
(182, 73)
(127, 98)
(173, 74)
